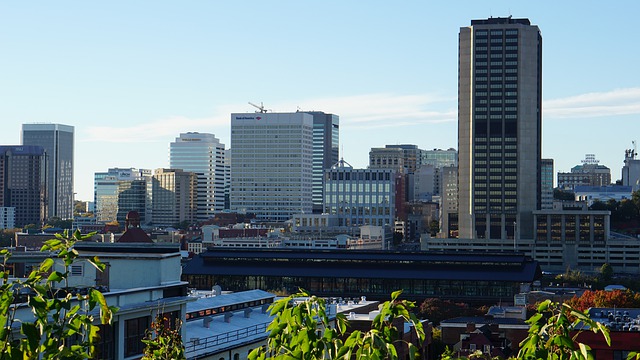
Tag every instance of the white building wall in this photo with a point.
(204, 155)
(271, 164)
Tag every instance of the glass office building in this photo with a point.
(57, 141)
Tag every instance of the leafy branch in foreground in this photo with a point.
(302, 329)
(61, 324)
(550, 333)
(163, 342)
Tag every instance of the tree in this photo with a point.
(303, 330)
(436, 310)
(559, 194)
(605, 299)
(434, 227)
(606, 272)
(553, 332)
(63, 326)
(598, 205)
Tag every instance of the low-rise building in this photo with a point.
(155, 290)
(228, 326)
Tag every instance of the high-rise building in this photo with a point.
(105, 190)
(272, 164)
(204, 155)
(499, 128)
(22, 185)
(361, 196)
(133, 196)
(173, 197)
(57, 141)
(547, 185)
(326, 140)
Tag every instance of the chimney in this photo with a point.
(247, 313)
(227, 317)
(265, 308)
(206, 321)
(471, 327)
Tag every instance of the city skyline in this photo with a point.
(132, 77)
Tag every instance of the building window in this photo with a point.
(134, 332)
(106, 347)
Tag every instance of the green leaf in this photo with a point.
(97, 264)
(31, 332)
(46, 265)
(55, 276)
(584, 350)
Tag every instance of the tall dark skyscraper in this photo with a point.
(57, 141)
(22, 183)
(499, 128)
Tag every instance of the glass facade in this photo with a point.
(22, 184)
(326, 137)
(105, 190)
(360, 196)
(57, 141)
(355, 287)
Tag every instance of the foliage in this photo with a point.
(605, 299)
(79, 207)
(163, 342)
(606, 272)
(550, 333)
(62, 326)
(183, 225)
(436, 310)
(7, 236)
(59, 223)
(575, 277)
(477, 355)
(559, 194)
(302, 330)
(434, 227)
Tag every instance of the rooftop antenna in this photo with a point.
(260, 108)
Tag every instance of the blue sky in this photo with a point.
(132, 75)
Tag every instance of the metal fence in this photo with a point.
(196, 345)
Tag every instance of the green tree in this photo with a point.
(553, 332)
(628, 210)
(59, 223)
(63, 326)
(598, 205)
(434, 227)
(606, 272)
(559, 194)
(303, 330)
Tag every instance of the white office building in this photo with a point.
(204, 155)
(271, 164)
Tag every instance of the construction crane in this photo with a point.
(260, 108)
